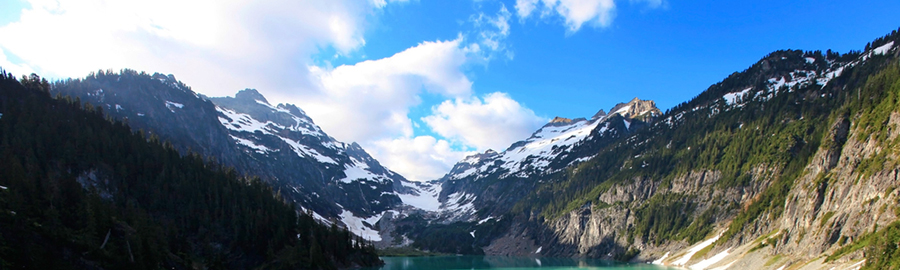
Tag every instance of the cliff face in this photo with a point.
(837, 200)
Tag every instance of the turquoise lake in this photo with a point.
(496, 262)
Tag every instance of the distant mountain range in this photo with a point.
(795, 155)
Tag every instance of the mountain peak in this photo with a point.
(599, 114)
(560, 120)
(636, 108)
(250, 94)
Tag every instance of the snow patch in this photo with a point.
(810, 60)
(426, 199)
(454, 206)
(484, 220)
(354, 172)
(260, 102)
(119, 107)
(621, 110)
(883, 49)
(242, 122)
(858, 265)
(687, 257)
(306, 151)
(660, 260)
(724, 267)
(545, 145)
(140, 114)
(259, 148)
(355, 224)
(732, 98)
(3, 188)
(538, 251)
(171, 105)
(316, 216)
(712, 260)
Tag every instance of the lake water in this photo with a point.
(497, 263)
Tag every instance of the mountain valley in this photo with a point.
(792, 163)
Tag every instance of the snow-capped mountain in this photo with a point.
(488, 181)
(548, 148)
(337, 181)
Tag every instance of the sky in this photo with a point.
(420, 84)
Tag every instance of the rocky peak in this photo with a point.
(559, 121)
(599, 114)
(636, 108)
(250, 94)
(164, 78)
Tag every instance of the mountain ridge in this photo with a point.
(338, 181)
(715, 174)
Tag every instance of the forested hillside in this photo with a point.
(785, 152)
(778, 166)
(80, 191)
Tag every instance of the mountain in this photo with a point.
(483, 187)
(790, 163)
(338, 182)
(552, 148)
(80, 191)
(795, 156)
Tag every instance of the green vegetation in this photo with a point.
(880, 247)
(80, 191)
(406, 252)
(662, 216)
(882, 251)
(775, 259)
(778, 134)
(452, 238)
(825, 218)
(773, 134)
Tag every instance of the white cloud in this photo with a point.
(494, 123)
(421, 158)
(215, 46)
(524, 8)
(370, 100)
(492, 34)
(597, 13)
(369, 103)
(576, 13)
(218, 47)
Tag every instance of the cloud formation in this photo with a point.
(369, 103)
(576, 13)
(491, 123)
(419, 158)
(492, 34)
(216, 46)
(370, 100)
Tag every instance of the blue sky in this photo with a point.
(419, 83)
